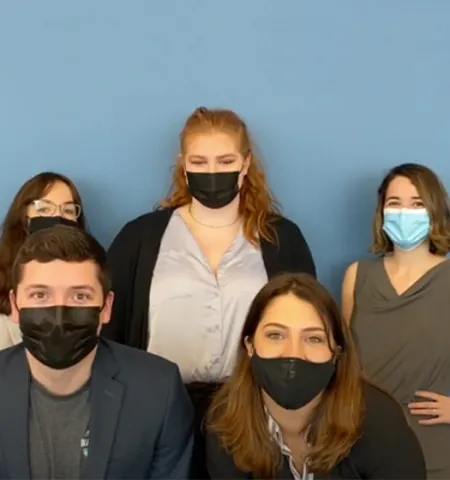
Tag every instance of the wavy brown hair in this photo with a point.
(15, 225)
(257, 206)
(434, 198)
(237, 414)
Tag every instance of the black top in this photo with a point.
(386, 450)
(132, 259)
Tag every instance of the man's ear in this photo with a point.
(14, 309)
(105, 314)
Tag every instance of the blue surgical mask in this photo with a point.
(406, 227)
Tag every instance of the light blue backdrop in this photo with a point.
(335, 93)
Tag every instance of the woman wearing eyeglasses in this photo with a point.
(45, 200)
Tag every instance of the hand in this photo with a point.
(437, 405)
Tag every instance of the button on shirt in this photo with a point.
(196, 317)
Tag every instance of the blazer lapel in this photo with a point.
(14, 413)
(105, 403)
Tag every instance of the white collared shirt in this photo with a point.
(275, 432)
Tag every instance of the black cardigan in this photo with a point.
(387, 449)
(132, 257)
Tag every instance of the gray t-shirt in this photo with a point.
(58, 433)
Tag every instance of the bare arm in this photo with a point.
(348, 292)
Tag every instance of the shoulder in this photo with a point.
(285, 226)
(387, 447)
(288, 233)
(360, 269)
(380, 405)
(350, 276)
(219, 460)
(143, 222)
(146, 229)
(9, 332)
(9, 358)
(141, 366)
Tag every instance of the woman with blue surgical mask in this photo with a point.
(398, 305)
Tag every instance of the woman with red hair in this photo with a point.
(185, 275)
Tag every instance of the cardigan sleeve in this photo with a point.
(122, 256)
(388, 448)
(302, 259)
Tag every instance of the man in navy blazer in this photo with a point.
(71, 405)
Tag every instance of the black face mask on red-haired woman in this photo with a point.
(213, 190)
(39, 223)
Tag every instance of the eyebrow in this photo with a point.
(393, 197)
(74, 287)
(220, 157)
(284, 327)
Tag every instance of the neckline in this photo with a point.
(417, 283)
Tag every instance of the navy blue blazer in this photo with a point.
(141, 421)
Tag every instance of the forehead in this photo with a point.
(211, 144)
(292, 312)
(59, 193)
(58, 273)
(401, 187)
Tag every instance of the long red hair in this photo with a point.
(257, 205)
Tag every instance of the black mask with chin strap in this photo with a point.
(60, 336)
(291, 382)
(39, 223)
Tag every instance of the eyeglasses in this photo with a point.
(46, 208)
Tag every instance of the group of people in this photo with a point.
(201, 345)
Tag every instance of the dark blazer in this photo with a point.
(132, 258)
(140, 420)
(387, 449)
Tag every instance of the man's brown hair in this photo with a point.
(60, 242)
(435, 199)
(237, 414)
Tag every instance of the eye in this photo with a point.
(227, 161)
(82, 297)
(316, 339)
(39, 295)
(418, 204)
(43, 210)
(197, 161)
(392, 203)
(274, 335)
(69, 210)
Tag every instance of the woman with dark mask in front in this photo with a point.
(45, 200)
(296, 405)
(184, 275)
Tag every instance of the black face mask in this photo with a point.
(59, 336)
(39, 223)
(213, 190)
(291, 382)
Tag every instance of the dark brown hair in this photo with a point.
(435, 200)
(60, 242)
(237, 413)
(15, 225)
(257, 205)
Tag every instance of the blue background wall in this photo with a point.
(335, 93)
